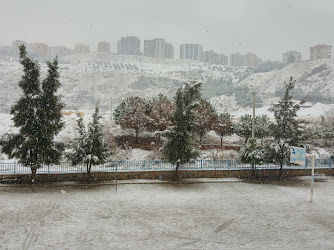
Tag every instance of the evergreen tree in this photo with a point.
(37, 115)
(262, 127)
(132, 113)
(244, 127)
(252, 153)
(49, 113)
(179, 148)
(89, 146)
(287, 130)
(206, 118)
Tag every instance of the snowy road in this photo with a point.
(168, 216)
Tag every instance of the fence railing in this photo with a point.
(153, 165)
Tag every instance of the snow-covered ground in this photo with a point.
(168, 216)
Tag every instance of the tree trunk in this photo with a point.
(176, 173)
(89, 166)
(281, 171)
(33, 175)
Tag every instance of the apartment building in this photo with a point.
(191, 51)
(236, 59)
(103, 47)
(40, 49)
(320, 52)
(59, 51)
(251, 60)
(214, 58)
(81, 48)
(292, 57)
(16, 44)
(158, 48)
(129, 45)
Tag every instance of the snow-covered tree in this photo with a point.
(223, 126)
(37, 116)
(89, 146)
(244, 127)
(206, 118)
(132, 113)
(160, 113)
(179, 147)
(252, 153)
(287, 130)
(262, 127)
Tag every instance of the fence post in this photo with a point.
(144, 165)
(330, 162)
(14, 166)
(201, 164)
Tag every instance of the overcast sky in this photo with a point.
(265, 27)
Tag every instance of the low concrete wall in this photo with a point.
(107, 176)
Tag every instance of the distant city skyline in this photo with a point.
(265, 28)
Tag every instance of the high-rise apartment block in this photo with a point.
(248, 60)
(16, 44)
(59, 51)
(103, 47)
(158, 48)
(320, 52)
(214, 58)
(236, 59)
(129, 45)
(292, 57)
(81, 48)
(251, 60)
(40, 49)
(191, 51)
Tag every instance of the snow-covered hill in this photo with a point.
(314, 79)
(92, 77)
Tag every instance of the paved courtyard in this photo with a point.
(168, 216)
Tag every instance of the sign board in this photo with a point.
(298, 155)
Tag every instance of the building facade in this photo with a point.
(129, 45)
(236, 59)
(158, 48)
(251, 60)
(59, 51)
(321, 52)
(191, 51)
(16, 44)
(103, 47)
(81, 48)
(40, 49)
(292, 57)
(214, 58)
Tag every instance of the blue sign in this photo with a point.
(298, 156)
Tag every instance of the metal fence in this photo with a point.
(153, 165)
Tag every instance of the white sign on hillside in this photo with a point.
(298, 155)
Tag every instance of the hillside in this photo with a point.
(89, 78)
(92, 77)
(314, 80)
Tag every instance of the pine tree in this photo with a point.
(37, 115)
(179, 148)
(49, 112)
(89, 146)
(287, 130)
(252, 153)
(262, 127)
(132, 113)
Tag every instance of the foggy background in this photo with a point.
(267, 28)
